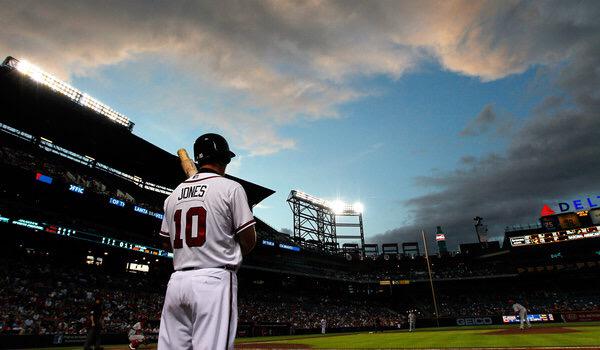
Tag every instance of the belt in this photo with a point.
(225, 267)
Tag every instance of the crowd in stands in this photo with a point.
(442, 272)
(369, 270)
(71, 172)
(38, 297)
(306, 311)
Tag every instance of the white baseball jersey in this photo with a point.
(519, 308)
(137, 327)
(523, 318)
(202, 217)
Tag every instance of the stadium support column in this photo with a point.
(437, 315)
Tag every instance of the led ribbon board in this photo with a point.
(86, 236)
(269, 243)
(76, 189)
(117, 202)
(289, 247)
(557, 236)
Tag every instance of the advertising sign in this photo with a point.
(474, 321)
(532, 318)
(579, 204)
(582, 316)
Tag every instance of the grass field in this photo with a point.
(558, 336)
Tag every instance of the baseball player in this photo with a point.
(412, 319)
(520, 311)
(323, 326)
(136, 336)
(210, 226)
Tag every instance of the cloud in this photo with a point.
(468, 159)
(276, 63)
(282, 62)
(482, 122)
(488, 120)
(553, 156)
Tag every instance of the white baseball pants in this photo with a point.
(200, 311)
(523, 318)
(138, 337)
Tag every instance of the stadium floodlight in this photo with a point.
(337, 206)
(41, 77)
(358, 207)
(307, 197)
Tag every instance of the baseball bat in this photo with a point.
(187, 164)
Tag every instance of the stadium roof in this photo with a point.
(40, 111)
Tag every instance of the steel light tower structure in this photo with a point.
(316, 220)
(353, 221)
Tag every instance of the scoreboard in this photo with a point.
(556, 236)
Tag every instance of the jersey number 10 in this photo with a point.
(198, 241)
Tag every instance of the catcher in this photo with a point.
(136, 335)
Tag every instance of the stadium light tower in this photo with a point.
(315, 220)
(350, 219)
(36, 74)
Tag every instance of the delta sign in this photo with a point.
(574, 205)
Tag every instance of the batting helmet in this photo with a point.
(212, 148)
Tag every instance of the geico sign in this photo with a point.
(473, 321)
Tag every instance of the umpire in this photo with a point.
(95, 317)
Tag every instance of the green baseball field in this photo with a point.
(550, 336)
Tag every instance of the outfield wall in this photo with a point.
(51, 340)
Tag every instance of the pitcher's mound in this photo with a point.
(534, 330)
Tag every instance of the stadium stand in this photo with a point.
(46, 293)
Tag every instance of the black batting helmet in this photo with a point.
(212, 148)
